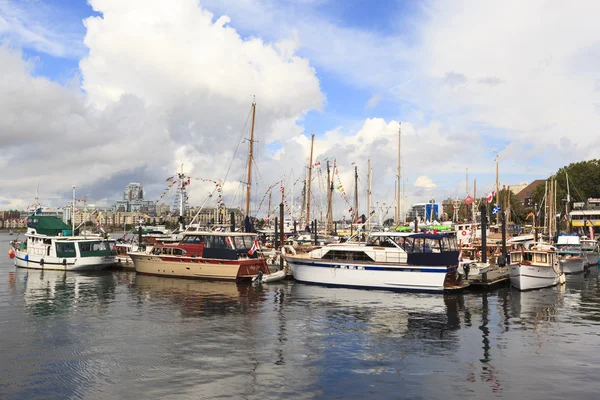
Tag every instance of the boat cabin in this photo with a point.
(217, 245)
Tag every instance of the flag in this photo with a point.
(359, 220)
(317, 163)
(169, 179)
(353, 163)
(490, 196)
(254, 247)
(468, 200)
(496, 210)
(372, 213)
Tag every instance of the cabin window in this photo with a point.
(94, 249)
(541, 258)
(242, 243)
(65, 248)
(516, 257)
(216, 242)
(347, 255)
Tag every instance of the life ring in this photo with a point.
(291, 250)
(464, 233)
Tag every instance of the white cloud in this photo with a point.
(165, 85)
(425, 182)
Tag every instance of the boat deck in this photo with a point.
(493, 279)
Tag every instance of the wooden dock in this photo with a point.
(491, 280)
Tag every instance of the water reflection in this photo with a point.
(198, 298)
(46, 293)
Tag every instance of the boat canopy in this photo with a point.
(48, 225)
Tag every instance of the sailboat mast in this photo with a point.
(303, 203)
(72, 213)
(368, 192)
(568, 203)
(250, 148)
(467, 193)
(497, 193)
(329, 199)
(356, 193)
(399, 183)
(312, 142)
(474, 200)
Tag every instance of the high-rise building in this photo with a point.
(133, 191)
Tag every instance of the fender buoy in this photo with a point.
(11, 253)
(64, 262)
(42, 262)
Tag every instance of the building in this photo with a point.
(133, 191)
(524, 196)
(425, 211)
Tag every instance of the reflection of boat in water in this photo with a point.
(401, 314)
(49, 292)
(199, 296)
(537, 306)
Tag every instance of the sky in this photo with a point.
(101, 93)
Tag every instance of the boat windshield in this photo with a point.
(244, 242)
(426, 243)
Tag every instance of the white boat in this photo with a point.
(388, 260)
(535, 268)
(571, 257)
(591, 250)
(49, 244)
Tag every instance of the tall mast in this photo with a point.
(368, 192)
(329, 200)
(249, 180)
(356, 194)
(497, 193)
(467, 193)
(303, 203)
(568, 203)
(399, 184)
(182, 183)
(312, 142)
(72, 213)
(474, 199)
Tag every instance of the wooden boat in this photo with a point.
(205, 255)
(535, 268)
(388, 260)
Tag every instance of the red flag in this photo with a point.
(254, 247)
(468, 200)
(490, 196)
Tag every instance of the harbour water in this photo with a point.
(113, 334)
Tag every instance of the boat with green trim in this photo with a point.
(49, 244)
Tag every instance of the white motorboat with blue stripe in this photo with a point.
(387, 260)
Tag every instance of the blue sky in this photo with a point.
(463, 83)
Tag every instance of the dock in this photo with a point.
(491, 280)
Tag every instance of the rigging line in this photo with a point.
(237, 146)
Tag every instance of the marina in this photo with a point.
(115, 334)
(299, 200)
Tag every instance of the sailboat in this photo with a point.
(539, 266)
(235, 256)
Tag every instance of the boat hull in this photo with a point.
(528, 277)
(574, 265)
(375, 276)
(32, 261)
(592, 258)
(197, 268)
